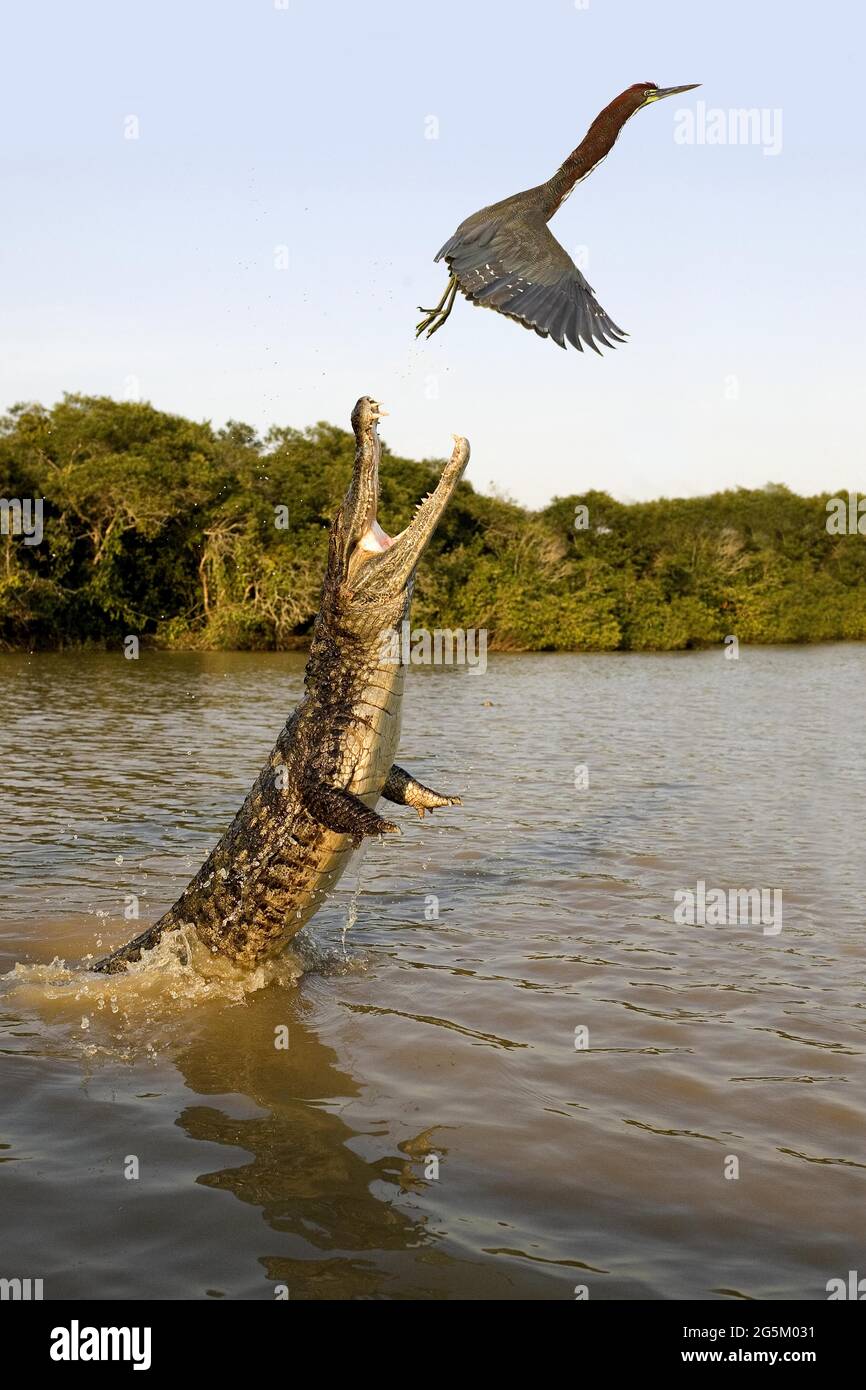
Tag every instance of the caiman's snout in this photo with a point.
(365, 417)
(359, 508)
(388, 561)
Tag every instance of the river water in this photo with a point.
(510, 1070)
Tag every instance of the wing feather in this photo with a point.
(519, 268)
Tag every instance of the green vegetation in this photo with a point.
(161, 527)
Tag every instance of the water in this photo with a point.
(443, 1035)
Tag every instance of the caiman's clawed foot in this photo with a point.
(345, 813)
(403, 789)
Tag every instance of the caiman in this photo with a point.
(315, 798)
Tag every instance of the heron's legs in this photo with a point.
(449, 305)
(441, 312)
(432, 312)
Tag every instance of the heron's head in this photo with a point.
(370, 573)
(647, 92)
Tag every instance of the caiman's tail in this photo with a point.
(124, 955)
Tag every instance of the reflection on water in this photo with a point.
(435, 1126)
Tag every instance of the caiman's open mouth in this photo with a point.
(382, 560)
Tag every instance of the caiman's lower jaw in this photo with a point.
(385, 563)
(375, 540)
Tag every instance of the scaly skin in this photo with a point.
(314, 800)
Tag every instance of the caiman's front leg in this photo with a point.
(346, 813)
(402, 788)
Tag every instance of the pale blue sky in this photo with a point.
(305, 127)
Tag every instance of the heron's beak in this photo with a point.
(671, 91)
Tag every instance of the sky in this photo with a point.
(230, 208)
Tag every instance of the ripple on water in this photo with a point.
(522, 998)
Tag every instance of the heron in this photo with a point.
(505, 257)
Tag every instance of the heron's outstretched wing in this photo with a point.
(520, 269)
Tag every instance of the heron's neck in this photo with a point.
(595, 145)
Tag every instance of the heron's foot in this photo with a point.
(434, 318)
(431, 314)
(434, 328)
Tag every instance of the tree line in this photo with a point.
(190, 536)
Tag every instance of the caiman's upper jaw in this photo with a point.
(359, 508)
(388, 562)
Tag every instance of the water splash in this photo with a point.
(146, 1008)
(352, 910)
